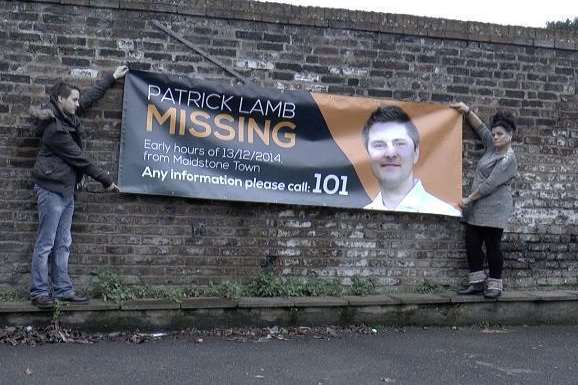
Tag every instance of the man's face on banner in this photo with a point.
(392, 152)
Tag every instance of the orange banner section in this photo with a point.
(439, 166)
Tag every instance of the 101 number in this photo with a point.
(330, 184)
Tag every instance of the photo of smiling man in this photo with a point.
(392, 142)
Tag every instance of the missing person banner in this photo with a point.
(204, 139)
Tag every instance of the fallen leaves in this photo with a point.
(50, 334)
(54, 333)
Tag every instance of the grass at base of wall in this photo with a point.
(12, 295)
(109, 287)
(429, 287)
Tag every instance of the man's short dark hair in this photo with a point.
(504, 119)
(391, 114)
(61, 89)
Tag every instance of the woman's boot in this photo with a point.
(493, 289)
(476, 285)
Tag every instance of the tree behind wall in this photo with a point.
(567, 25)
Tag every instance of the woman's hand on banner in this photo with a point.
(120, 72)
(461, 107)
(469, 199)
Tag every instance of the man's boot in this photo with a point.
(43, 302)
(74, 299)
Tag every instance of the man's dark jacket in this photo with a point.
(61, 161)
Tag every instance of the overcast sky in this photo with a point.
(529, 13)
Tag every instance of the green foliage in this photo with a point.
(565, 25)
(56, 313)
(10, 295)
(266, 285)
(322, 287)
(295, 287)
(110, 287)
(171, 294)
(226, 289)
(427, 287)
(270, 285)
(360, 286)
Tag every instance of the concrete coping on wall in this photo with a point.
(440, 309)
(297, 302)
(348, 19)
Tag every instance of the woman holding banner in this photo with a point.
(489, 206)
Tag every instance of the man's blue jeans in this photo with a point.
(52, 244)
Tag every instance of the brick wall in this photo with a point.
(157, 240)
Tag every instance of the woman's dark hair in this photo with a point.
(504, 119)
(61, 89)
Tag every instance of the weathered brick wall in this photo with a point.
(157, 240)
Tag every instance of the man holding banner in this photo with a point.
(392, 142)
(60, 166)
